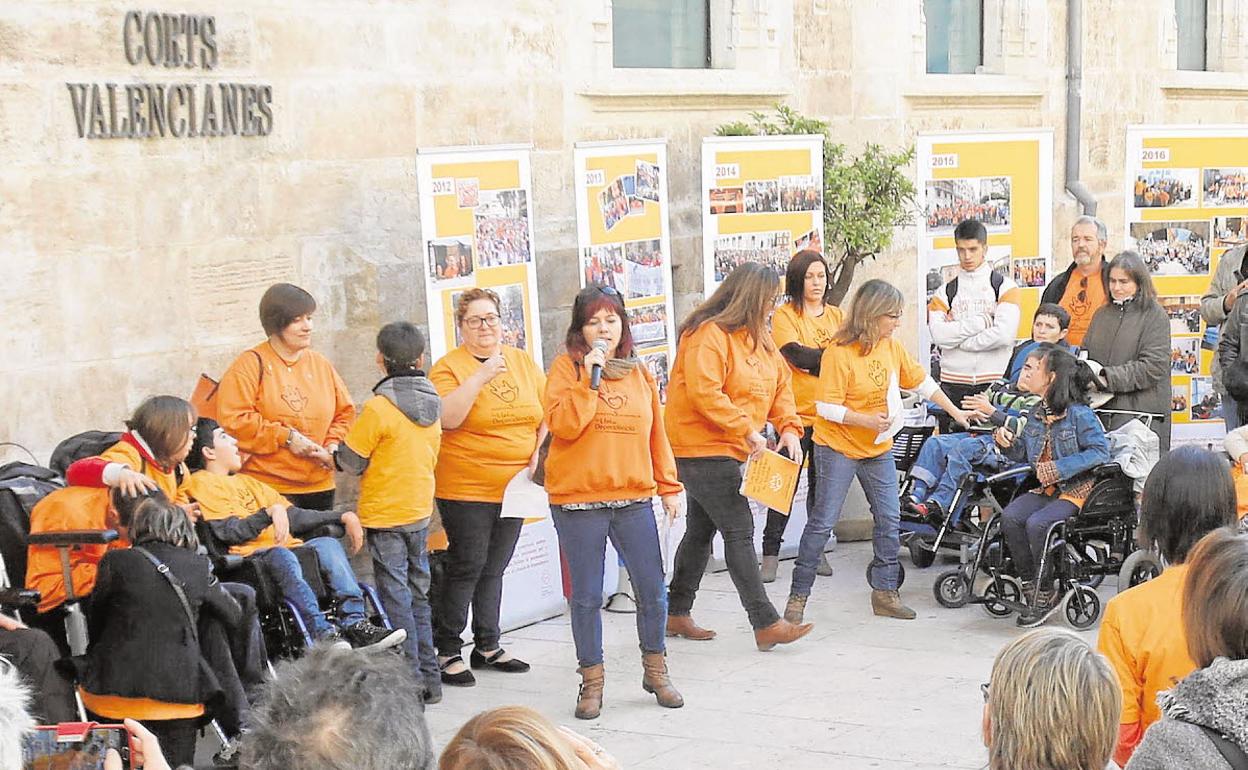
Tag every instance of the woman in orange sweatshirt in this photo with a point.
(286, 404)
(727, 383)
(608, 458)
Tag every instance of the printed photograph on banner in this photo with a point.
(501, 224)
(986, 199)
(1206, 403)
(800, 193)
(1229, 232)
(648, 324)
(1159, 188)
(467, 193)
(773, 249)
(1184, 312)
(604, 266)
(762, 197)
(1178, 398)
(647, 181)
(1173, 248)
(656, 362)
(511, 313)
(636, 206)
(811, 240)
(1030, 272)
(999, 264)
(643, 266)
(450, 259)
(727, 200)
(1225, 187)
(613, 202)
(1185, 355)
(1209, 340)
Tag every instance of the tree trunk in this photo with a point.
(844, 277)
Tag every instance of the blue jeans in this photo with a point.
(1025, 524)
(583, 540)
(944, 461)
(282, 566)
(401, 568)
(878, 477)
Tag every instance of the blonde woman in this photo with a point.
(519, 738)
(728, 382)
(859, 370)
(1052, 703)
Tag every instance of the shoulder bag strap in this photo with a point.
(176, 584)
(1230, 751)
(260, 361)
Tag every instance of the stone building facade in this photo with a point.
(133, 264)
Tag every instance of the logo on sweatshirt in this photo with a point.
(877, 373)
(294, 398)
(504, 389)
(615, 401)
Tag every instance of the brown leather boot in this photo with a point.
(589, 697)
(795, 610)
(655, 680)
(888, 604)
(683, 625)
(780, 632)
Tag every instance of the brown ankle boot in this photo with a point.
(780, 632)
(655, 680)
(683, 625)
(888, 604)
(795, 610)
(589, 697)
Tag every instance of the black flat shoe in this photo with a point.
(513, 666)
(462, 679)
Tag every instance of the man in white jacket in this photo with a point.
(973, 317)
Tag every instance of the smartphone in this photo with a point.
(74, 745)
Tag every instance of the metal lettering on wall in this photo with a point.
(180, 109)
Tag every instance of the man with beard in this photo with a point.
(1084, 286)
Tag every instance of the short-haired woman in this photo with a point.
(1130, 338)
(728, 382)
(608, 459)
(1052, 703)
(1204, 719)
(286, 404)
(520, 737)
(860, 371)
(150, 454)
(1188, 494)
(801, 328)
(144, 659)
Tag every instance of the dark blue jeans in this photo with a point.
(944, 461)
(1025, 524)
(401, 568)
(282, 567)
(583, 540)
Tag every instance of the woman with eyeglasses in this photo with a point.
(491, 430)
(861, 372)
(1130, 338)
(1053, 703)
(609, 458)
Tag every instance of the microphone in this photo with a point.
(595, 372)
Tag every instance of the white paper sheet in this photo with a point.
(896, 412)
(522, 499)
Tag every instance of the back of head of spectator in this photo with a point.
(1215, 598)
(15, 719)
(509, 738)
(160, 521)
(339, 710)
(1188, 494)
(1053, 703)
(125, 506)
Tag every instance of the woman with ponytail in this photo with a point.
(1063, 441)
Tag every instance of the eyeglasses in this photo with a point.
(477, 321)
(895, 316)
(984, 689)
(1083, 289)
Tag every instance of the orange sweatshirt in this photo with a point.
(64, 510)
(306, 395)
(221, 496)
(787, 326)
(723, 388)
(607, 444)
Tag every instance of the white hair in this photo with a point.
(1102, 232)
(15, 719)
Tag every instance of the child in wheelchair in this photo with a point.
(223, 494)
(1063, 441)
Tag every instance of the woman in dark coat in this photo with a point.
(1130, 338)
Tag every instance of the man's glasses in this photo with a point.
(477, 321)
(1083, 289)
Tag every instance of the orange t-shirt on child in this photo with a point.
(221, 496)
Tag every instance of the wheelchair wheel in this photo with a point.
(901, 573)
(1083, 608)
(952, 589)
(1140, 567)
(919, 556)
(1004, 588)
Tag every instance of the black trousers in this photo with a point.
(480, 545)
(238, 659)
(33, 653)
(956, 392)
(773, 531)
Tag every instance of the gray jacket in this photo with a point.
(1132, 342)
(1215, 697)
(1212, 310)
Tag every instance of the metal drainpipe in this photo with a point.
(1074, 98)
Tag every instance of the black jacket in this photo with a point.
(143, 645)
(1057, 287)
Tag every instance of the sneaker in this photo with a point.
(334, 639)
(366, 636)
(933, 512)
(433, 694)
(227, 757)
(911, 504)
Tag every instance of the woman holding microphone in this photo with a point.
(608, 458)
(858, 371)
(727, 383)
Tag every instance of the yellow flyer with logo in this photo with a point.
(770, 478)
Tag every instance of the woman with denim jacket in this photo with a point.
(1063, 441)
